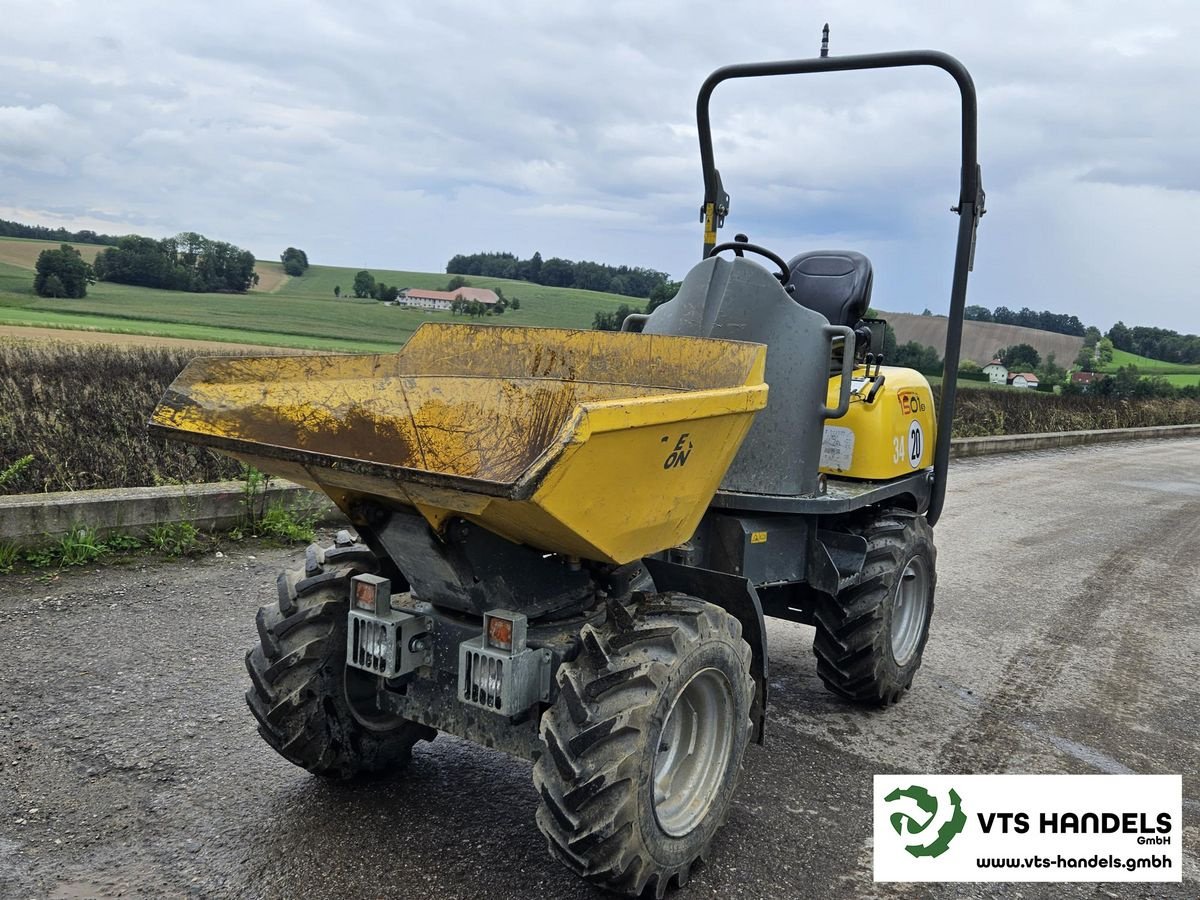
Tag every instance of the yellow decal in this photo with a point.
(758, 537)
(710, 224)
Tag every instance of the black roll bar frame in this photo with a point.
(971, 203)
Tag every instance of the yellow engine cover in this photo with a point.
(890, 436)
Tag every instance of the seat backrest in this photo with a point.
(737, 299)
(835, 283)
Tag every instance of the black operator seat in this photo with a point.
(835, 283)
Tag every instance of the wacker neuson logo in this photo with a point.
(1028, 827)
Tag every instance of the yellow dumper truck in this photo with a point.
(567, 541)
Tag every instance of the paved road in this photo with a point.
(1065, 640)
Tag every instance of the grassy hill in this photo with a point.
(1176, 373)
(981, 340)
(298, 312)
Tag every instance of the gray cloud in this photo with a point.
(395, 135)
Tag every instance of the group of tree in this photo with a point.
(911, 355)
(62, 273)
(659, 294)
(1097, 353)
(1156, 343)
(460, 305)
(42, 233)
(1127, 381)
(631, 281)
(365, 285)
(295, 262)
(1025, 358)
(1059, 323)
(186, 262)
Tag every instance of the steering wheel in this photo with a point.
(784, 273)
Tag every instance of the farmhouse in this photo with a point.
(1023, 379)
(442, 299)
(996, 372)
(1085, 379)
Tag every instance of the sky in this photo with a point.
(394, 135)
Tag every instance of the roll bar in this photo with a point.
(970, 208)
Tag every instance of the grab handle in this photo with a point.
(833, 332)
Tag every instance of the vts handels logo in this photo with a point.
(918, 810)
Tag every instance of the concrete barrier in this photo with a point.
(28, 519)
(961, 448)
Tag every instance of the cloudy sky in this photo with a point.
(396, 134)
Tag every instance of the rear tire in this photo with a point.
(870, 637)
(314, 711)
(645, 742)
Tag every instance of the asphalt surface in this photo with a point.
(1065, 640)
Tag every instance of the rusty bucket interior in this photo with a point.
(460, 410)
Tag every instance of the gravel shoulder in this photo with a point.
(1065, 640)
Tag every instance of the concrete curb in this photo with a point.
(962, 448)
(27, 519)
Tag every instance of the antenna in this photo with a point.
(825, 41)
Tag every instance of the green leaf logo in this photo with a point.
(918, 820)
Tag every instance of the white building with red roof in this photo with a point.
(422, 299)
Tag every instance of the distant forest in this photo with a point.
(41, 233)
(1059, 323)
(631, 281)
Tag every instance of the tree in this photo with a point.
(456, 282)
(52, 286)
(611, 321)
(1020, 357)
(1050, 371)
(1085, 360)
(662, 293)
(514, 303)
(557, 272)
(977, 314)
(969, 366)
(337, 290)
(387, 292)
(62, 273)
(1004, 316)
(1104, 350)
(295, 262)
(927, 311)
(916, 356)
(364, 284)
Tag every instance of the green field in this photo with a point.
(1177, 374)
(301, 313)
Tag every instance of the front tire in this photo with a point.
(870, 638)
(645, 742)
(314, 711)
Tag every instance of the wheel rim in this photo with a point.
(909, 610)
(693, 752)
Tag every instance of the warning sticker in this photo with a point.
(837, 448)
